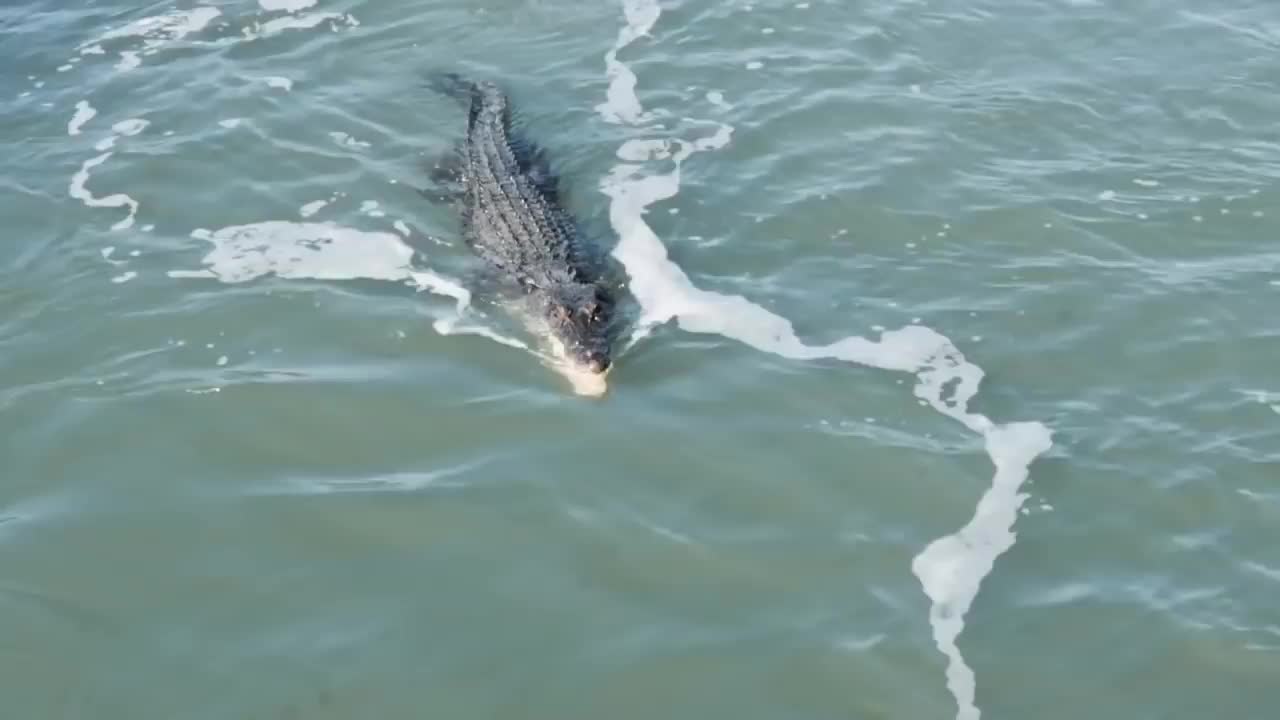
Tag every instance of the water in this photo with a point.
(951, 391)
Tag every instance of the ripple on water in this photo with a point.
(449, 478)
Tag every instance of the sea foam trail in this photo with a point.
(84, 113)
(78, 186)
(78, 191)
(951, 568)
(148, 36)
(325, 251)
(154, 32)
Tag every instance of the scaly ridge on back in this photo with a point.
(511, 214)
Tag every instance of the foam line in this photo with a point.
(84, 113)
(951, 568)
(326, 251)
(621, 104)
(78, 191)
(286, 5)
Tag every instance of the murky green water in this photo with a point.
(261, 456)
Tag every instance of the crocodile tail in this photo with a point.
(454, 85)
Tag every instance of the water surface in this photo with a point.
(952, 390)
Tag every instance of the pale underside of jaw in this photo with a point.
(584, 381)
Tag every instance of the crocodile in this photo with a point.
(513, 218)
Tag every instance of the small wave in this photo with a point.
(281, 83)
(399, 482)
(1270, 399)
(147, 36)
(155, 32)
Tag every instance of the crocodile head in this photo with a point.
(580, 319)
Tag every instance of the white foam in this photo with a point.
(124, 277)
(370, 208)
(155, 32)
(78, 191)
(621, 104)
(1270, 399)
(106, 255)
(755, 65)
(344, 139)
(128, 61)
(300, 250)
(305, 21)
(282, 83)
(231, 123)
(286, 5)
(173, 25)
(401, 227)
(84, 113)
(1144, 182)
(639, 150)
(450, 325)
(325, 251)
(130, 127)
(312, 208)
(715, 97)
(951, 568)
